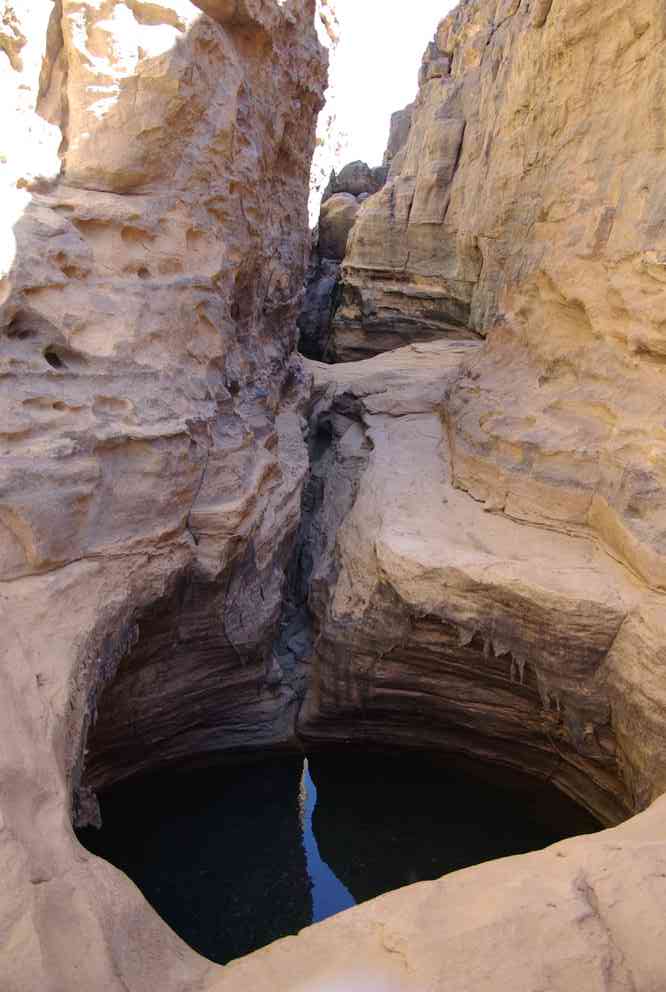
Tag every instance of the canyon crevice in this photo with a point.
(453, 538)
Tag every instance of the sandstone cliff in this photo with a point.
(526, 209)
(483, 538)
(156, 163)
(489, 572)
(533, 153)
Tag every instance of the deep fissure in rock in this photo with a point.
(234, 855)
(208, 678)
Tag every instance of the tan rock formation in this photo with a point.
(340, 204)
(488, 543)
(489, 211)
(523, 477)
(531, 213)
(357, 178)
(401, 123)
(156, 172)
(336, 220)
(442, 621)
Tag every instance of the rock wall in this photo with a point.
(519, 174)
(401, 124)
(530, 474)
(156, 160)
(339, 209)
(443, 625)
(483, 526)
(496, 581)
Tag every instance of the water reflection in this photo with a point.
(234, 858)
(384, 821)
(329, 895)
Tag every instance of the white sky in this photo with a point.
(375, 67)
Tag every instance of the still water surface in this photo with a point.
(234, 858)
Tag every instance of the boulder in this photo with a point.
(355, 178)
(336, 220)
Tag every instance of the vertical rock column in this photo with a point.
(152, 457)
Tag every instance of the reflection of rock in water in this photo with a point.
(236, 857)
(329, 895)
(218, 853)
(383, 821)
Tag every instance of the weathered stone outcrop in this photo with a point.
(152, 448)
(356, 178)
(401, 123)
(445, 623)
(484, 520)
(529, 213)
(340, 205)
(519, 174)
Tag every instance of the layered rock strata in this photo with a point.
(442, 622)
(531, 215)
(483, 526)
(152, 448)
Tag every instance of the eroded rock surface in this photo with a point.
(444, 622)
(526, 208)
(157, 163)
(483, 523)
(533, 157)
(340, 205)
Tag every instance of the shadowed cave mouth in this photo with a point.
(234, 857)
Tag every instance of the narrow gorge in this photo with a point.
(400, 492)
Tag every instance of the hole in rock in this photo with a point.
(63, 358)
(54, 359)
(236, 857)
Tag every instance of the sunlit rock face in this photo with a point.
(525, 208)
(487, 546)
(152, 450)
(442, 624)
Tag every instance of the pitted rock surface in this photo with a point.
(153, 251)
(482, 515)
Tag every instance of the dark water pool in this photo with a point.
(233, 858)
